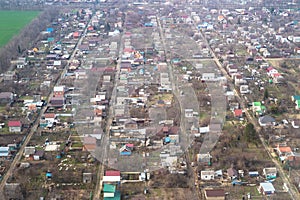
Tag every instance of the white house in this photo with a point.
(189, 112)
(208, 77)
(266, 188)
(207, 175)
(270, 172)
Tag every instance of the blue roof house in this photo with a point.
(125, 151)
(4, 151)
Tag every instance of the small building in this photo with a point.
(87, 177)
(207, 175)
(49, 175)
(15, 126)
(214, 194)
(266, 188)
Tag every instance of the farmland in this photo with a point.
(11, 22)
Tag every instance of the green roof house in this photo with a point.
(297, 104)
(110, 193)
(258, 108)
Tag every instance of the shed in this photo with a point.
(253, 173)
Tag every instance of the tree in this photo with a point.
(239, 21)
(250, 133)
(266, 94)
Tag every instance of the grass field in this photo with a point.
(11, 22)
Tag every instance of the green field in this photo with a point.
(11, 22)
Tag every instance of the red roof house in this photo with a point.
(112, 173)
(15, 126)
(238, 113)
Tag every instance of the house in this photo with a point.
(270, 172)
(293, 160)
(266, 121)
(239, 80)
(125, 150)
(130, 124)
(207, 175)
(214, 194)
(188, 113)
(238, 113)
(38, 155)
(204, 129)
(76, 35)
(271, 70)
(29, 151)
(244, 89)
(4, 152)
(112, 176)
(50, 117)
(208, 77)
(59, 91)
(258, 108)
(297, 107)
(89, 143)
(204, 158)
(266, 188)
(109, 190)
(283, 151)
(15, 126)
(232, 173)
(57, 101)
(6, 98)
(232, 69)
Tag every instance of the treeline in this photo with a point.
(26, 39)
